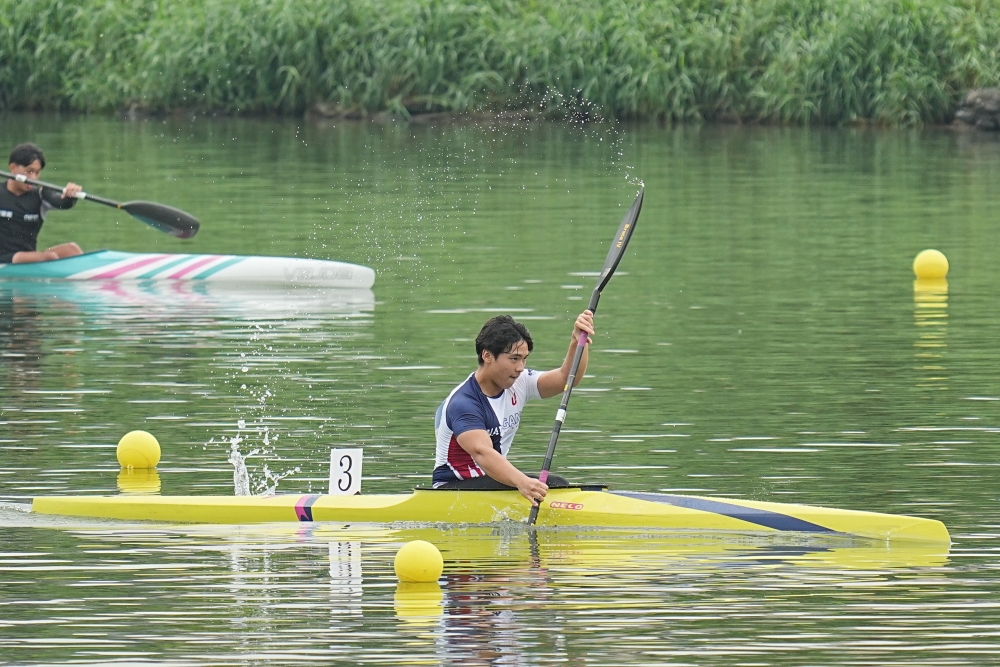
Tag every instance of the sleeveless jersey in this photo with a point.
(21, 217)
(467, 408)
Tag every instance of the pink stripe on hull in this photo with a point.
(191, 267)
(300, 508)
(303, 508)
(129, 267)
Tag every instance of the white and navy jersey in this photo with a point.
(467, 408)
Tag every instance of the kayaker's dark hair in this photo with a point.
(26, 153)
(501, 334)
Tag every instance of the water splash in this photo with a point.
(267, 486)
(243, 485)
(241, 477)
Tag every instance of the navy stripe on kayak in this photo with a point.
(750, 514)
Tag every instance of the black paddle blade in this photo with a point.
(620, 242)
(167, 219)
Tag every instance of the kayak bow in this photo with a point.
(572, 507)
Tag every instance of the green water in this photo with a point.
(763, 340)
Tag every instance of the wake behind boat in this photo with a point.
(567, 507)
(242, 269)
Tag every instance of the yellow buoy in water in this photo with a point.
(418, 561)
(930, 265)
(138, 449)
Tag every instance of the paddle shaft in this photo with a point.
(166, 219)
(615, 254)
(581, 343)
(21, 178)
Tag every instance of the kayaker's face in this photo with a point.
(32, 171)
(505, 368)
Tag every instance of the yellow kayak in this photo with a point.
(572, 507)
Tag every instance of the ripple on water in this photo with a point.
(249, 590)
(763, 330)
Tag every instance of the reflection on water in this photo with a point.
(139, 481)
(930, 314)
(171, 299)
(346, 576)
(322, 591)
(418, 604)
(20, 342)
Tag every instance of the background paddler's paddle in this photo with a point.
(167, 219)
(618, 245)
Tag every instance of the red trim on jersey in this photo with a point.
(461, 461)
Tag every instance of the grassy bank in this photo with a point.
(801, 61)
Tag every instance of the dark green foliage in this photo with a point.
(805, 61)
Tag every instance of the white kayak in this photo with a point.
(244, 269)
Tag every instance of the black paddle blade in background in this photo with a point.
(167, 219)
(620, 241)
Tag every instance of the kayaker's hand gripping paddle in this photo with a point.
(618, 245)
(167, 219)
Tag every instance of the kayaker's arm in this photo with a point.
(478, 444)
(61, 199)
(552, 383)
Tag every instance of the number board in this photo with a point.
(345, 471)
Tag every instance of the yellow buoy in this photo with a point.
(138, 449)
(418, 561)
(930, 265)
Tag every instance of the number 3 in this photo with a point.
(346, 462)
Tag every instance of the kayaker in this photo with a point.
(23, 208)
(475, 425)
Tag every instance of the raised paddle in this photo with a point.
(167, 219)
(618, 245)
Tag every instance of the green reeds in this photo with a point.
(799, 61)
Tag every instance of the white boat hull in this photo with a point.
(233, 269)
